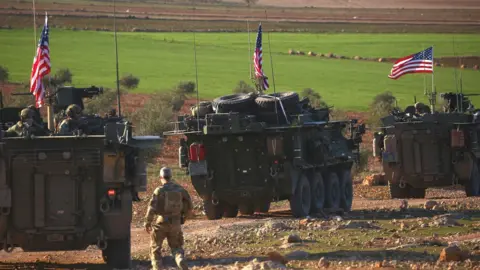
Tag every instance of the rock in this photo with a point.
(311, 53)
(381, 60)
(275, 225)
(296, 255)
(358, 225)
(357, 57)
(463, 66)
(323, 263)
(452, 253)
(274, 256)
(293, 238)
(289, 245)
(438, 208)
(444, 220)
(430, 204)
(292, 52)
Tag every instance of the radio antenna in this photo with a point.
(34, 28)
(249, 51)
(116, 59)
(196, 72)
(455, 74)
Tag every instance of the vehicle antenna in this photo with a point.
(249, 51)
(455, 73)
(34, 28)
(196, 72)
(273, 74)
(116, 59)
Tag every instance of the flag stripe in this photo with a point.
(257, 59)
(421, 62)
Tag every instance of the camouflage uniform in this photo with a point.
(70, 124)
(169, 204)
(21, 128)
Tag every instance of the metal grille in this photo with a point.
(39, 157)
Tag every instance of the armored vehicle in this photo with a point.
(426, 149)
(69, 192)
(243, 151)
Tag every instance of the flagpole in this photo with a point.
(424, 75)
(34, 28)
(116, 59)
(196, 72)
(433, 86)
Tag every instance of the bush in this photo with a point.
(186, 87)
(243, 87)
(63, 76)
(21, 100)
(3, 74)
(129, 81)
(102, 103)
(381, 106)
(316, 100)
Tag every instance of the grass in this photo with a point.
(161, 60)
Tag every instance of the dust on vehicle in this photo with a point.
(243, 151)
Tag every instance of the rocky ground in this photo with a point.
(441, 232)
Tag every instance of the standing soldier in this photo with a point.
(171, 204)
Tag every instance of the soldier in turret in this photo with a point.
(24, 126)
(168, 208)
(70, 124)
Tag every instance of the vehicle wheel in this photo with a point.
(230, 211)
(332, 191)
(301, 201)
(247, 209)
(318, 193)
(262, 207)
(417, 193)
(346, 190)
(290, 102)
(396, 192)
(234, 103)
(212, 211)
(118, 253)
(472, 187)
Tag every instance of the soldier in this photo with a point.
(71, 123)
(170, 204)
(24, 126)
(421, 108)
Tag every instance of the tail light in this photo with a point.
(197, 152)
(111, 193)
(458, 138)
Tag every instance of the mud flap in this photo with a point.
(5, 200)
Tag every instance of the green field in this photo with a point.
(161, 60)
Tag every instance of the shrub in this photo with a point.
(186, 87)
(3, 74)
(129, 81)
(102, 103)
(381, 106)
(243, 87)
(63, 76)
(20, 100)
(314, 97)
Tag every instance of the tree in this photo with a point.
(250, 2)
(381, 106)
(61, 77)
(186, 87)
(243, 87)
(129, 81)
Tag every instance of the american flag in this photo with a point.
(421, 62)
(257, 59)
(41, 67)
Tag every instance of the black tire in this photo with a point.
(396, 192)
(212, 211)
(318, 193)
(234, 103)
(472, 187)
(416, 193)
(332, 191)
(230, 211)
(117, 255)
(247, 209)
(204, 108)
(301, 201)
(346, 190)
(290, 102)
(263, 207)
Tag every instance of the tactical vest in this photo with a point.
(170, 203)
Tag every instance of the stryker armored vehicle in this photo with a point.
(243, 151)
(431, 149)
(69, 192)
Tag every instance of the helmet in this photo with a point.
(73, 110)
(165, 172)
(419, 106)
(26, 113)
